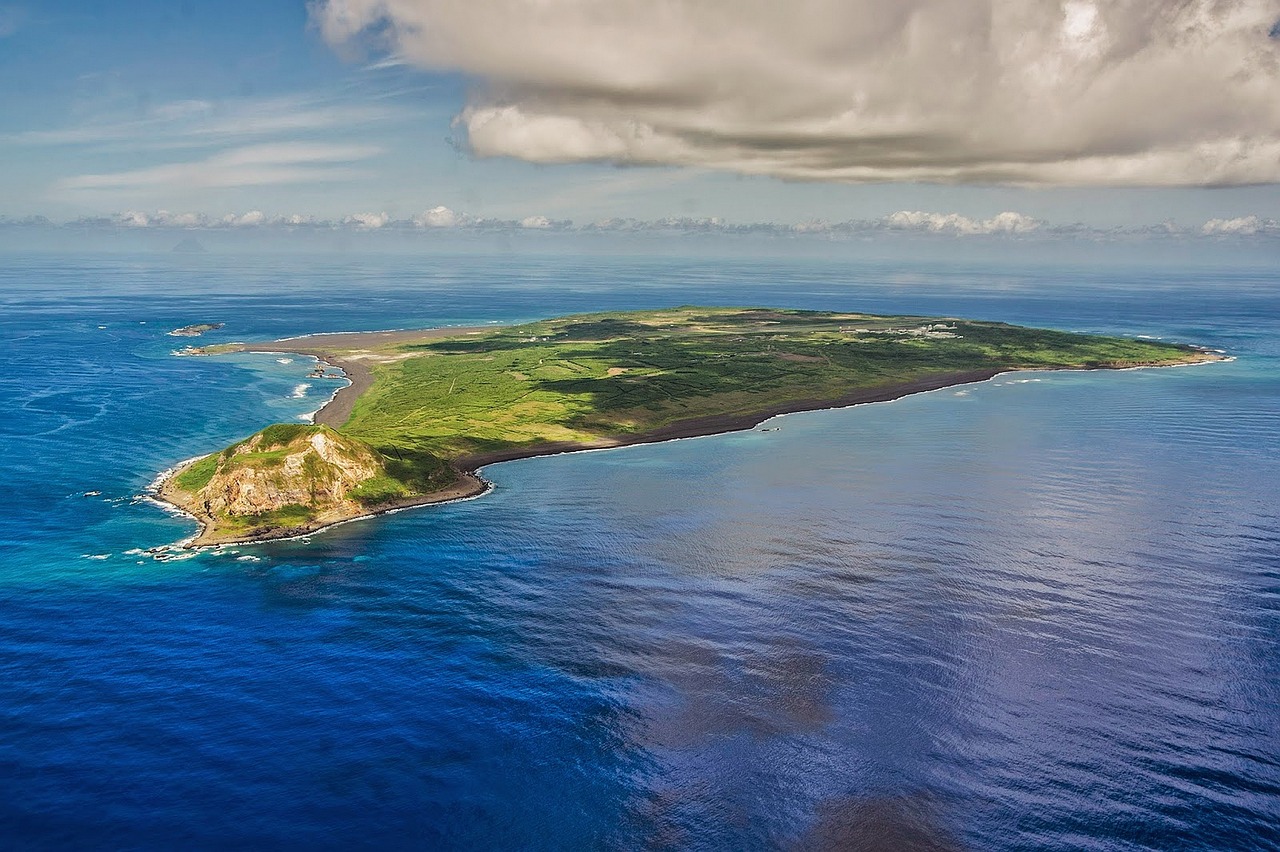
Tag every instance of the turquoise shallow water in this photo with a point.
(1035, 613)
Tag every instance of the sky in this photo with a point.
(963, 117)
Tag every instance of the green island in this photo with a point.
(426, 409)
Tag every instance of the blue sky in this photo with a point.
(222, 109)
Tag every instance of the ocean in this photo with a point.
(1040, 612)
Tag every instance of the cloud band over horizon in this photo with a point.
(1005, 225)
(1032, 92)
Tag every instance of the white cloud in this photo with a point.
(182, 220)
(913, 224)
(953, 223)
(198, 123)
(385, 63)
(254, 165)
(251, 219)
(1014, 91)
(167, 219)
(1242, 225)
(437, 217)
(367, 221)
(160, 219)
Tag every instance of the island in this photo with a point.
(426, 409)
(196, 330)
(190, 245)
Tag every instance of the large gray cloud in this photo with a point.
(1068, 92)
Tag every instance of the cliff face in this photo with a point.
(292, 478)
(286, 479)
(318, 470)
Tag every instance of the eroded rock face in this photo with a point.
(317, 468)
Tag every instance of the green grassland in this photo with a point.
(197, 475)
(583, 378)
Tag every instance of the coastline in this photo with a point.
(470, 484)
(467, 487)
(337, 410)
(719, 424)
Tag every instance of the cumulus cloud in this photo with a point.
(1241, 225)
(367, 221)
(953, 223)
(203, 221)
(1053, 92)
(437, 217)
(909, 224)
(183, 220)
(134, 219)
(160, 219)
(251, 219)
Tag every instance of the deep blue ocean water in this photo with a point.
(1041, 612)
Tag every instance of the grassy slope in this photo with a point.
(591, 376)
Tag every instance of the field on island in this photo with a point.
(585, 377)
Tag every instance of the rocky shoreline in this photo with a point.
(468, 486)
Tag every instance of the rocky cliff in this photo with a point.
(317, 468)
(286, 479)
